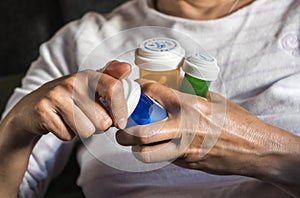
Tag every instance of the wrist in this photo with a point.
(13, 133)
(16, 146)
(279, 160)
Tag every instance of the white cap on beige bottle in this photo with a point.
(159, 54)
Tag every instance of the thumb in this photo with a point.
(117, 69)
(167, 97)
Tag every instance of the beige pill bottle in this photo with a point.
(160, 59)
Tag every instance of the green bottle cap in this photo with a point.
(201, 66)
(199, 70)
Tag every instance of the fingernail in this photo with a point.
(122, 123)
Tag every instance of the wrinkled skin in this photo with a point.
(215, 136)
(66, 106)
(70, 105)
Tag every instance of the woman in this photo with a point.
(254, 42)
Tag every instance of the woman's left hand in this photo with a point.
(213, 135)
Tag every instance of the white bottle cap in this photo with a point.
(132, 92)
(159, 54)
(201, 66)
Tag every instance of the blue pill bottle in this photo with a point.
(141, 108)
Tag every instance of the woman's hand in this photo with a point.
(70, 105)
(66, 106)
(216, 136)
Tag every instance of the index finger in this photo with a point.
(111, 91)
(149, 134)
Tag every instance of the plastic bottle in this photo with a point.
(141, 108)
(160, 59)
(199, 70)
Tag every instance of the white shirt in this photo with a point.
(257, 49)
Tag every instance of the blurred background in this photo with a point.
(25, 24)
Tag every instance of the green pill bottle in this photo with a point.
(199, 71)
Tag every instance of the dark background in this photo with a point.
(25, 24)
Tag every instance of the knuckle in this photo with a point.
(144, 139)
(55, 95)
(105, 124)
(102, 120)
(109, 86)
(143, 136)
(87, 74)
(175, 102)
(91, 129)
(69, 83)
(191, 155)
(116, 86)
(150, 87)
(41, 107)
(113, 87)
(145, 155)
(87, 71)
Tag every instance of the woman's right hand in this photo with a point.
(66, 106)
(70, 105)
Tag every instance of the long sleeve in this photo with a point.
(279, 104)
(58, 57)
